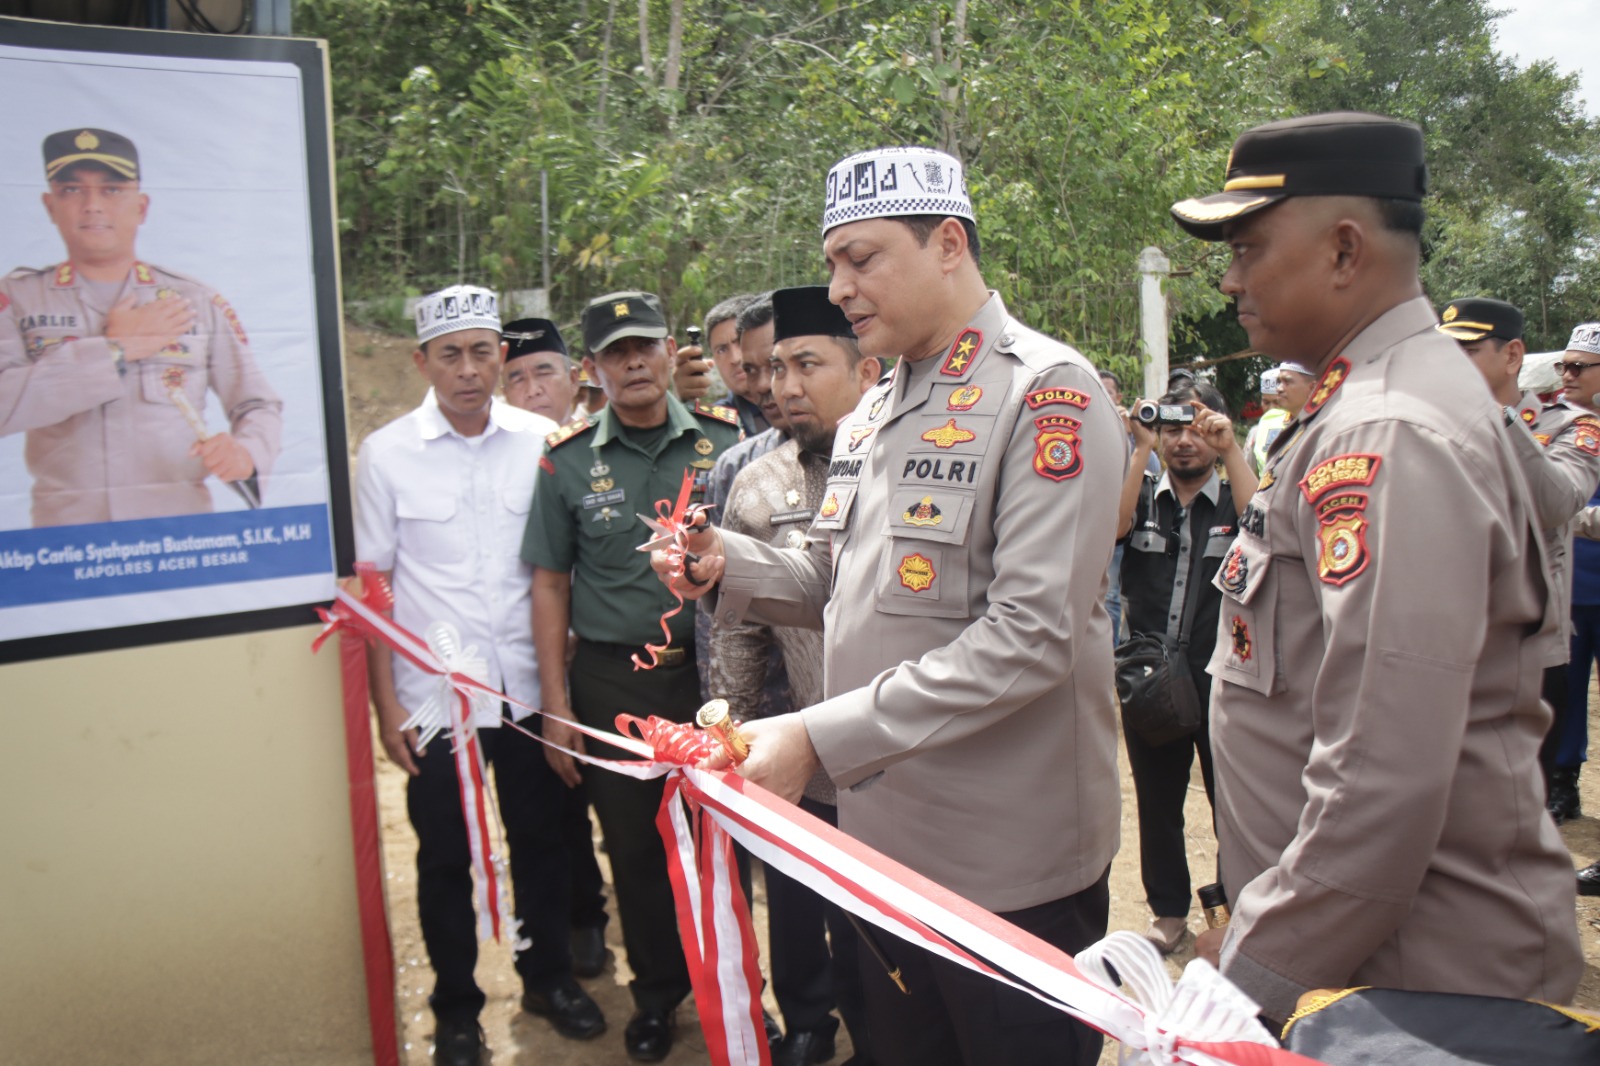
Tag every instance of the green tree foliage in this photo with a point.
(1081, 123)
(1514, 163)
(685, 141)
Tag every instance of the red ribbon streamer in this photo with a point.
(674, 520)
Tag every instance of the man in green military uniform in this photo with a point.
(595, 477)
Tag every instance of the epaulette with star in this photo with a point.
(717, 411)
(572, 429)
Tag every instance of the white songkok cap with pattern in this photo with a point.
(456, 308)
(888, 182)
(1586, 338)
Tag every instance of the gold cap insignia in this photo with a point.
(86, 141)
(1450, 314)
(620, 309)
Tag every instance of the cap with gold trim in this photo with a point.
(102, 148)
(1473, 318)
(1338, 153)
(616, 315)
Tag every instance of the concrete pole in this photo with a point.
(1153, 267)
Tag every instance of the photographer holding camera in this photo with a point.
(1176, 528)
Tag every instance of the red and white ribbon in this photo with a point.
(672, 523)
(1204, 1021)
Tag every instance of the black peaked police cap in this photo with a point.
(617, 315)
(1476, 317)
(1340, 153)
(806, 312)
(103, 148)
(526, 336)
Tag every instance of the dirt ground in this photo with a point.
(382, 384)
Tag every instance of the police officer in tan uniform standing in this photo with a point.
(105, 361)
(1376, 716)
(1558, 446)
(965, 532)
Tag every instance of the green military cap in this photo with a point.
(1340, 153)
(616, 315)
(1476, 317)
(805, 311)
(527, 336)
(102, 147)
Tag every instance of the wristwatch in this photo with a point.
(118, 355)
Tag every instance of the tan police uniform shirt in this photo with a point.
(774, 499)
(1375, 714)
(958, 567)
(1558, 447)
(106, 445)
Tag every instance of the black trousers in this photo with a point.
(1553, 690)
(588, 886)
(604, 684)
(954, 1017)
(530, 798)
(808, 978)
(1160, 786)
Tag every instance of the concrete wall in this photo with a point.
(176, 872)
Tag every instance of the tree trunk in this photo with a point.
(674, 47)
(951, 120)
(644, 42)
(605, 60)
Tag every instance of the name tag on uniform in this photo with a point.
(792, 516)
(600, 499)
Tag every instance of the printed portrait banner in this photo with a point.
(173, 459)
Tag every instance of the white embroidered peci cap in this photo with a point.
(889, 182)
(1586, 338)
(456, 308)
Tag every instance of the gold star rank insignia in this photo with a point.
(962, 353)
(792, 498)
(1329, 384)
(620, 309)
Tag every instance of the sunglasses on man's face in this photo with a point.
(1573, 367)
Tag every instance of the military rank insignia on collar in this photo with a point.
(1327, 385)
(962, 352)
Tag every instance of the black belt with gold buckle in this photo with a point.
(674, 656)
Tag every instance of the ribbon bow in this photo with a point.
(375, 594)
(678, 743)
(433, 717)
(672, 524)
